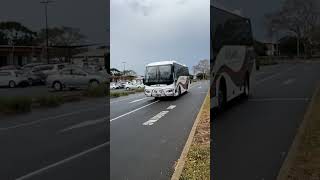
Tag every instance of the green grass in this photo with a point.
(15, 104)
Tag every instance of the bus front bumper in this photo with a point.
(159, 92)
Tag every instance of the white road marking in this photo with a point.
(133, 111)
(63, 161)
(137, 100)
(289, 81)
(155, 118)
(171, 107)
(274, 75)
(84, 124)
(46, 119)
(278, 99)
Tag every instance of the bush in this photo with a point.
(50, 101)
(115, 94)
(99, 91)
(140, 90)
(15, 104)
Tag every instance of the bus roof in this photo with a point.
(164, 63)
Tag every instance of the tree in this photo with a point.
(130, 73)
(299, 17)
(203, 67)
(16, 33)
(115, 71)
(61, 36)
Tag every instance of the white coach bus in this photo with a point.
(232, 59)
(166, 78)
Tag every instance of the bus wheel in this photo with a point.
(222, 97)
(246, 91)
(179, 91)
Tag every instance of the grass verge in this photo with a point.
(197, 165)
(99, 91)
(15, 105)
(125, 93)
(304, 158)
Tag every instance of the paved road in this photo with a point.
(252, 138)
(147, 136)
(69, 142)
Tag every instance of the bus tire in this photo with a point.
(222, 96)
(246, 86)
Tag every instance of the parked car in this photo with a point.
(10, 67)
(13, 78)
(74, 77)
(114, 86)
(121, 85)
(48, 69)
(29, 66)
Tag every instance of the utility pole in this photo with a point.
(45, 3)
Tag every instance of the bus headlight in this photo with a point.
(169, 90)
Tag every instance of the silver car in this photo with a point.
(12, 78)
(74, 77)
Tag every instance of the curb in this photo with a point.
(287, 163)
(181, 161)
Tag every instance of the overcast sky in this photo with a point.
(144, 31)
(255, 10)
(90, 16)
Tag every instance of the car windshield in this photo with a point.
(159, 75)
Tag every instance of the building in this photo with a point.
(20, 55)
(272, 49)
(93, 57)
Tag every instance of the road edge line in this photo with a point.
(181, 161)
(287, 163)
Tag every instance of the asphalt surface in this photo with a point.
(251, 139)
(148, 136)
(68, 142)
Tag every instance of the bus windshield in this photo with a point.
(159, 75)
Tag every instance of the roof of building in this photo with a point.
(164, 63)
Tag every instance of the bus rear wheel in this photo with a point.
(222, 97)
(246, 86)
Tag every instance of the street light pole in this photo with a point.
(45, 3)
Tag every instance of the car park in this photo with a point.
(10, 67)
(74, 77)
(12, 78)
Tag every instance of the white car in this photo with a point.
(48, 69)
(114, 86)
(131, 86)
(13, 78)
(74, 77)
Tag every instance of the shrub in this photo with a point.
(50, 100)
(15, 104)
(99, 91)
(140, 90)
